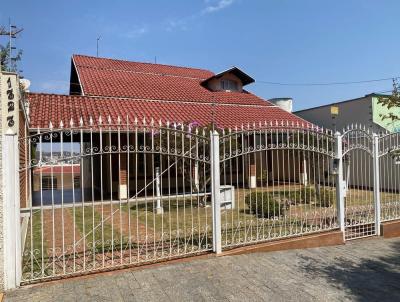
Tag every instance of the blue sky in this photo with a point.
(290, 41)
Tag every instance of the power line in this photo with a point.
(327, 83)
(385, 91)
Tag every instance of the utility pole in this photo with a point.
(10, 45)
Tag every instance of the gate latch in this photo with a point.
(334, 166)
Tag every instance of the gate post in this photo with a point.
(215, 192)
(10, 221)
(377, 196)
(11, 210)
(339, 181)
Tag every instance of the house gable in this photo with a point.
(229, 80)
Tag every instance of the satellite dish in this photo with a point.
(25, 84)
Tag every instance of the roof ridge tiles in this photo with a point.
(127, 98)
(140, 72)
(56, 108)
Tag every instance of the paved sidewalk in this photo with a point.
(363, 270)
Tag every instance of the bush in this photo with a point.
(324, 197)
(327, 197)
(264, 204)
(304, 195)
(263, 177)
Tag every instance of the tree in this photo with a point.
(6, 51)
(391, 101)
(5, 58)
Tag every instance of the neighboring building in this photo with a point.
(363, 111)
(359, 113)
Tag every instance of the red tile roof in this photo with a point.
(152, 91)
(116, 78)
(140, 67)
(50, 107)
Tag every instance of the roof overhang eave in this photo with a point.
(244, 77)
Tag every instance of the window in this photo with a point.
(77, 182)
(47, 182)
(229, 85)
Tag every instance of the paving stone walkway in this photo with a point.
(362, 270)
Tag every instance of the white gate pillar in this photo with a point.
(377, 196)
(215, 192)
(11, 212)
(340, 186)
(10, 241)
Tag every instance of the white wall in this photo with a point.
(358, 111)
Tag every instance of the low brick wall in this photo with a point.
(302, 242)
(390, 229)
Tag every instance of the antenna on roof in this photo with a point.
(97, 46)
(12, 34)
(155, 59)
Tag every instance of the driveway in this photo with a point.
(362, 270)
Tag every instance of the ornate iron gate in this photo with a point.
(358, 170)
(279, 179)
(110, 194)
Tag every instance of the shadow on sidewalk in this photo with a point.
(361, 278)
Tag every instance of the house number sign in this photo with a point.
(9, 100)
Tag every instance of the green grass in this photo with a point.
(178, 214)
(34, 249)
(98, 232)
(181, 216)
(186, 222)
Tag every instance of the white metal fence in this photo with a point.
(112, 194)
(109, 193)
(282, 179)
(389, 176)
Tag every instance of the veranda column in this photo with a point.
(252, 176)
(122, 163)
(123, 176)
(159, 209)
(303, 170)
